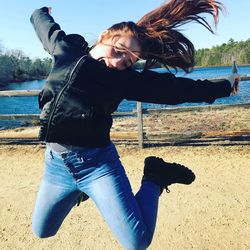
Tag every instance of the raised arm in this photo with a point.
(54, 40)
(48, 31)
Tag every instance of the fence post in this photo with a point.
(140, 124)
(234, 68)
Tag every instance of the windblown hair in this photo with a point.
(158, 35)
(163, 43)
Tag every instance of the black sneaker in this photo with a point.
(164, 174)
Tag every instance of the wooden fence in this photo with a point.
(139, 112)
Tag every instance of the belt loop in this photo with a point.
(81, 159)
(64, 155)
(51, 154)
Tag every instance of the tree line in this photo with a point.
(224, 54)
(15, 66)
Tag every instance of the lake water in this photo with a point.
(29, 105)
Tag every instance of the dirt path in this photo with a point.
(212, 213)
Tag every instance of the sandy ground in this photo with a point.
(212, 213)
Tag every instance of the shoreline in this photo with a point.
(229, 65)
(3, 84)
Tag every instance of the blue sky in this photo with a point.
(89, 18)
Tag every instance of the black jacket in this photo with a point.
(80, 92)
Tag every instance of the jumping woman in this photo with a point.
(85, 86)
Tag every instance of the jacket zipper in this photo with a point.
(59, 95)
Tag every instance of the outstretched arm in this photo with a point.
(48, 31)
(153, 87)
(165, 88)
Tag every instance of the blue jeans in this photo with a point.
(99, 173)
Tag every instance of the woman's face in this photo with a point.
(119, 52)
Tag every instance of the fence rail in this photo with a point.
(139, 112)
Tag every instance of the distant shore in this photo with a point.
(7, 82)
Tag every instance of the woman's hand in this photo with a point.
(234, 80)
(49, 10)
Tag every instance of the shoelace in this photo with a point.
(167, 190)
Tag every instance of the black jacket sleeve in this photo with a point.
(54, 40)
(154, 87)
(166, 88)
(46, 29)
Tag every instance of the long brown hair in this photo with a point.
(158, 35)
(162, 42)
